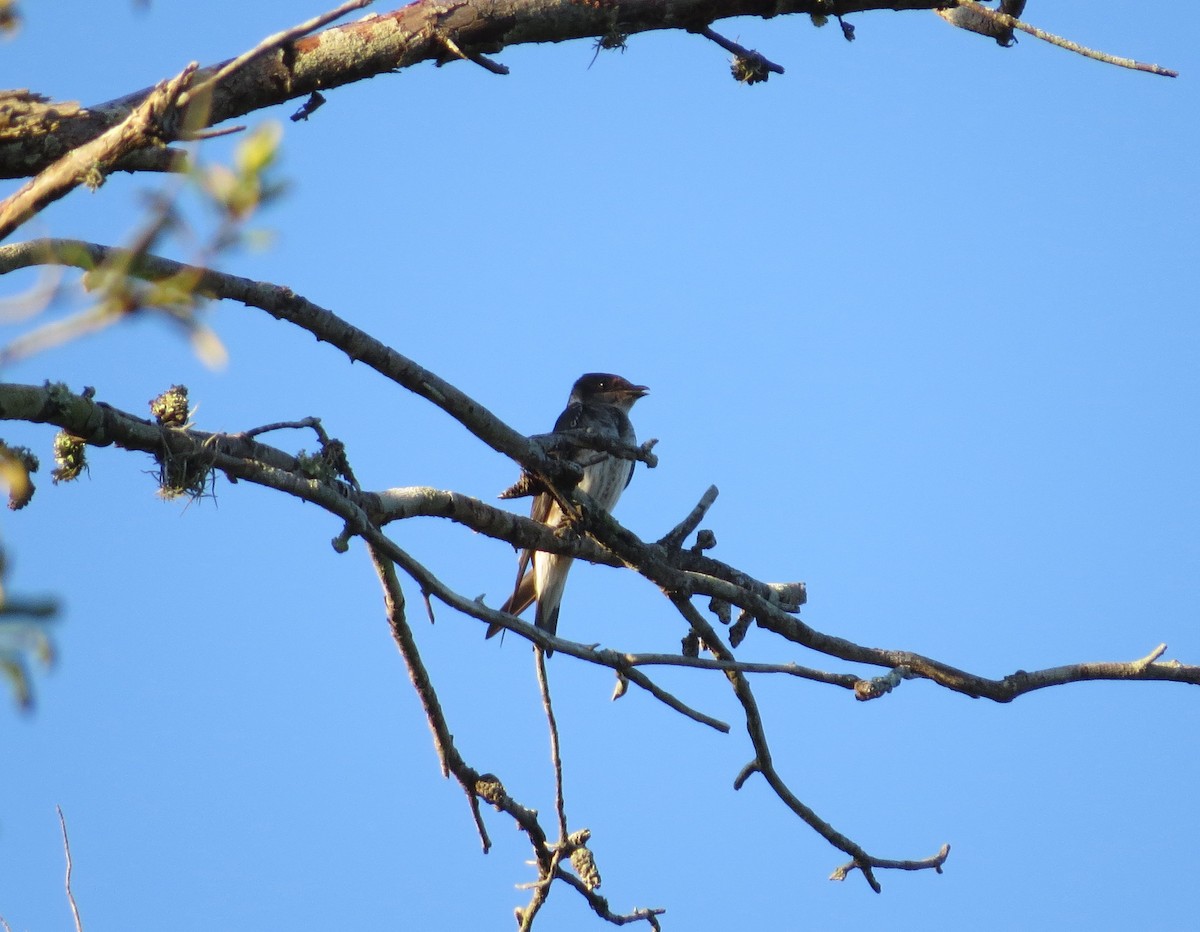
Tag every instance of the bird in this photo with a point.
(599, 402)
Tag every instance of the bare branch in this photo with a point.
(685, 573)
(600, 907)
(566, 441)
(758, 738)
(547, 872)
(976, 17)
(270, 44)
(749, 66)
(845, 680)
(934, 863)
(481, 60)
(91, 161)
(389, 42)
(487, 786)
(555, 751)
(675, 537)
(313, 422)
(443, 740)
(284, 304)
(676, 572)
(62, 823)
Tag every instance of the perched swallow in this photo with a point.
(599, 402)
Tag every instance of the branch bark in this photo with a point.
(440, 31)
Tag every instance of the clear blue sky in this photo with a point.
(925, 311)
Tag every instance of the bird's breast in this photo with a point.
(606, 480)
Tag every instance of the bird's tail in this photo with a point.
(522, 597)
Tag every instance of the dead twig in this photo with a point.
(1001, 19)
(62, 823)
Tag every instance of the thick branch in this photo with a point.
(89, 162)
(381, 44)
(284, 304)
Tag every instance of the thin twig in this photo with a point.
(600, 905)
(1011, 22)
(844, 680)
(541, 887)
(481, 60)
(268, 44)
(1140, 665)
(313, 422)
(758, 738)
(739, 50)
(675, 537)
(555, 750)
(443, 739)
(585, 438)
(201, 135)
(487, 786)
(934, 863)
(62, 822)
(431, 585)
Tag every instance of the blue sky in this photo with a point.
(923, 309)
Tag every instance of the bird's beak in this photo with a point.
(637, 391)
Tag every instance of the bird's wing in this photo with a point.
(571, 417)
(575, 416)
(525, 589)
(614, 422)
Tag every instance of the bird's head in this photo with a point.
(607, 389)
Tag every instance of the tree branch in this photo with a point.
(683, 573)
(270, 44)
(999, 24)
(385, 43)
(284, 304)
(680, 573)
(62, 824)
(443, 739)
(762, 762)
(541, 889)
(90, 161)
